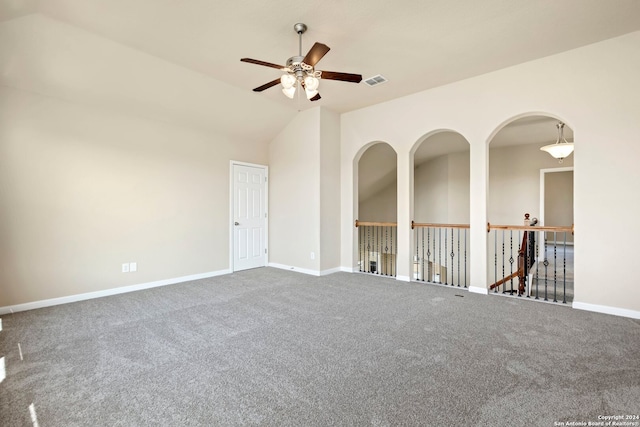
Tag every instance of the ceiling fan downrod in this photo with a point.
(300, 29)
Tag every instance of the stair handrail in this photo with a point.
(375, 224)
(436, 225)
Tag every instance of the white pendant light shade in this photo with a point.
(311, 86)
(559, 151)
(287, 81)
(562, 148)
(311, 83)
(289, 91)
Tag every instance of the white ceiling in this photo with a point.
(416, 44)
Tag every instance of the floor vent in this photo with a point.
(376, 80)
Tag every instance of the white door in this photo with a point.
(249, 217)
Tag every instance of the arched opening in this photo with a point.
(441, 209)
(530, 211)
(377, 210)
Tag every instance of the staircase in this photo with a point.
(559, 272)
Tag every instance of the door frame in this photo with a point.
(543, 172)
(233, 163)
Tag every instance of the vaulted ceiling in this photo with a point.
(180, 60)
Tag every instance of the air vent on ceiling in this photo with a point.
(376, 80)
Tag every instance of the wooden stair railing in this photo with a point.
(524, 262)
(523, 267)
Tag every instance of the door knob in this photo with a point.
(236, 223)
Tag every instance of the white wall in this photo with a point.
(83, 190)
(594, 89)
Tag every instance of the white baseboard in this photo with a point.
(305, 270)
(349, 269)
(296, 269)
(478, 290)
(403, 278)
(330, 271)
(107, 292)
(624, 312)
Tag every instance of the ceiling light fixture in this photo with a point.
(561, 148)
(299, 70)
(288, 85)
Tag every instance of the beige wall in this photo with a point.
(514, 181)
(294, 193)
(431, 191)
(329, 189)
(83, 190)
(377, 184)
(593, 89)
(458, 196)
(441, 190)
(441, 187)
(304, 193)
(558, 202)
(381, 207)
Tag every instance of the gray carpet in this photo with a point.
(278, 348)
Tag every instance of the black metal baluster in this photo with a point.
(423, 254)
(537, 268)
(416, 258)
(361, 243)
(378, 250)
(429, 263)
(525, 265)
(502, 260)
(446, 277)
(555, 266)
(368, 265)
(452, 255)
(495, 262)
(511, 259)
(546, 265)
(387, 266)
(458, 257)
(374, 262)
(393, 264)
(439, 255)
(564, 270)
(465, 257)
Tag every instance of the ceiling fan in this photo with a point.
(299, 70)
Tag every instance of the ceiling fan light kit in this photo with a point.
(299, 70)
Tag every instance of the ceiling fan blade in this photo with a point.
(267, 85)
(266, 64)
(345, 77)
(316, 97)
(315, 54)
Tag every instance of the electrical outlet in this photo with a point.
(313, 255)
(125, 267)
(133, 267)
